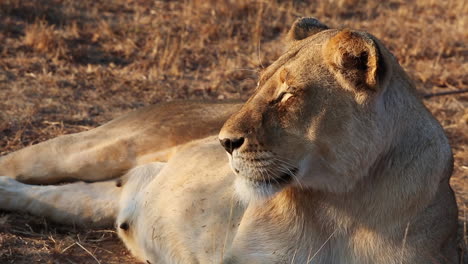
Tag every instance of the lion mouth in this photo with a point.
(282, 179)
(257, 184)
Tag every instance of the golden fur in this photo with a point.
(333, 159)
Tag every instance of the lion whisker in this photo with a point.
(286, 169)
(321, 247)
(271, 173)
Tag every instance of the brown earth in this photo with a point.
(67, 66)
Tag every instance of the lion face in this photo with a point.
(313, 121)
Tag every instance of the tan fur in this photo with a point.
(339, 163)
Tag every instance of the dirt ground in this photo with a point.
(68, 66)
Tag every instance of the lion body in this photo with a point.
(333, 160)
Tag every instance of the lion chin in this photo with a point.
(256, 185)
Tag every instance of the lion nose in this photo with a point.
(230, 144)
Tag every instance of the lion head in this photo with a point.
(320, 116)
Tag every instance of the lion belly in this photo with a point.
(188, 213)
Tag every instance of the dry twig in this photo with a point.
(429, 95)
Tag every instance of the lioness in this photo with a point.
(333, 159)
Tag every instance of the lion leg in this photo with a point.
(86, 204)
(109, 151)
(87, 156)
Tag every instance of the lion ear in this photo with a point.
(356, 57)
(305, 27)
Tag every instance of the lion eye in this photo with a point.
(283, 97)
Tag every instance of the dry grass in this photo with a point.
(67, 66)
